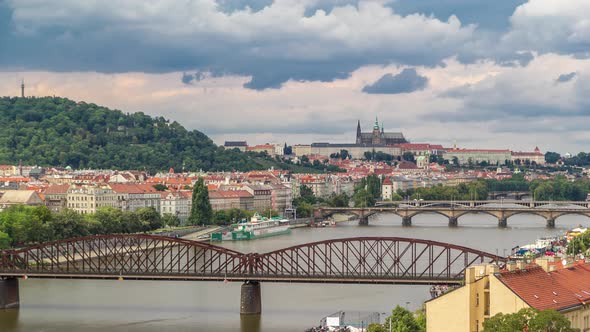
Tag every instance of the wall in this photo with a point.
(442, 313)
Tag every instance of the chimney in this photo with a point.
(543, 263)
(511, 266)
(470, 275)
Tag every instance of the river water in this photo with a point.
(100, 305)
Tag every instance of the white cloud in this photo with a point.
(548, 25)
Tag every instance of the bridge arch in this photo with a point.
(124, 254)
(373, 259)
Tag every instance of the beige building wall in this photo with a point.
(442, 312)
(301, 150)
(86, 199)
(357, 152)
(504, 300)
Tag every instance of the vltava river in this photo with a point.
(98, 305)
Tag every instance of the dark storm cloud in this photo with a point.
(272, 42)
(187, 78)
(108, 41)
(565, 77)
(406, 81)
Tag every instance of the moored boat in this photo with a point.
(257, 227)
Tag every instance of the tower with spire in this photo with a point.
(376, 132)
(22, 89)
(378, 136)
(359, 138)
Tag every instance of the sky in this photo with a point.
(476, 73)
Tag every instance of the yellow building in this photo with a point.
(86, 199)
(487, 292)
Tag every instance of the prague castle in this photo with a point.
(377, 140)
(378, 136)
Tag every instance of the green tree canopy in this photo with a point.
(530, 320)
(201, 212)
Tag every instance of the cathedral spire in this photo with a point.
(358, 133)
(382, 130)
(376, 126)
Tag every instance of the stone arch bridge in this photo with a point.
(453, 210)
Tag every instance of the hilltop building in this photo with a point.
(376, 141)
(378, 136)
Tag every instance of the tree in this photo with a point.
(529, 319)
(160, 187)
(201, 212)
(5, 240)
(340, 200)
(110, 220)
(68, 224)
(344, 154)
(171, 220)
(150, 218)
(288, 150)
(401, 320)
(408, 156)
(455, 161)
(362, 198)
(306, 194)
(552, 157)
(373, 327)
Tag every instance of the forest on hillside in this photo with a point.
(52, 131)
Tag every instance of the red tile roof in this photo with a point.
(477, 151)
(132, 188)
(14, 179)
(221, 194)
(557, 290)
(57, 189)
(519, 153)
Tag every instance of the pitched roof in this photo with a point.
(132, 188)
(221, 194)
(20, 197)
(557, 290)
(57, 189)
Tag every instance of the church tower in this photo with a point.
(376, 132)
(359, 139)
(22, 89)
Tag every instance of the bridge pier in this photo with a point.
(503, 222)
(250, 299)
(453, 222)
(550, 222)
(363, 221)
(406, 221)
(9, 294)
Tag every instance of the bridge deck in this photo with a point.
(241, 278)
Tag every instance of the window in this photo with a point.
(476, 325)
(477, 299)
(586, 323)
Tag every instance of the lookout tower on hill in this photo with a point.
(22, 89)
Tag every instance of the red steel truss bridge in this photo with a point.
(384, 260)
(357, 260)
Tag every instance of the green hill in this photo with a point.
(53, 131)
